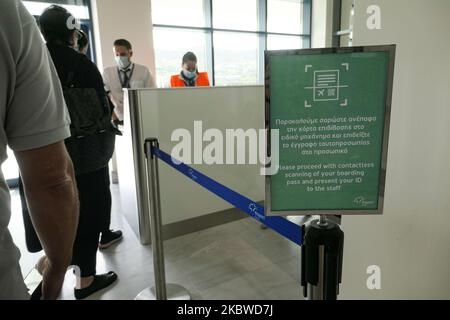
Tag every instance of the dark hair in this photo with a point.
(55, 25)
(83, 40)
(123, 43)
(189, 56)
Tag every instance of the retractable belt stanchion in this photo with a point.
(161, 291)
(322, 256)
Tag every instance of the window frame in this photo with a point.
(262, 33)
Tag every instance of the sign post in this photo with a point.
(332, 109)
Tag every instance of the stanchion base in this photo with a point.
(174, 292)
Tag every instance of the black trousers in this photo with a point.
(95, 212)
(95, 215)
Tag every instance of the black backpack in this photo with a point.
(93, 137)
(89, 109)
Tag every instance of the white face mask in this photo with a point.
(189, 74)
(123, 62)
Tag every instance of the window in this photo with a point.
(284, 16)
(179, 12)
(236, 58)
(235, 14)
(173, 44)
(79, 8)
(277, 42)
(229, 37)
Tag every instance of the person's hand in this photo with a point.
(115, 126)
(114, 117)
(52, 278)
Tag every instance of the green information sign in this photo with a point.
(332, 110)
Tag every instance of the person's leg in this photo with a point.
(85, 257)
(108, 236)
(85, 246)
(91, 189)
(85, 252)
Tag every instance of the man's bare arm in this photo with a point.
(50, 188)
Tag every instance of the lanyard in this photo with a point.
(126, 81)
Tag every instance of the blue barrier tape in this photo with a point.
(281, 225)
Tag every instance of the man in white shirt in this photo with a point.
(34, 123)
(124, 75)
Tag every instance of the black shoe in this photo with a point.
(108, 238)
(100, 282)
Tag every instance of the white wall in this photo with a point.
(411, 241)
(114, 19)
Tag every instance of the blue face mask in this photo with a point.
(123, 62)
(189, 74)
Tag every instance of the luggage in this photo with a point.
(91, 145)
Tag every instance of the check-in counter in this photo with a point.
(185, 206)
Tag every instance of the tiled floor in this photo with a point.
(233, 261)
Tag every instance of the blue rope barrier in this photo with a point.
(281, 225)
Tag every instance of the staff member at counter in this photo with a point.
(125, 75)
(189, 76)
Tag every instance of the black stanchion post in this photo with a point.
(322, 256)
(161, 291)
